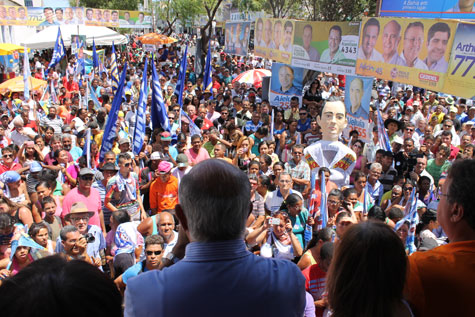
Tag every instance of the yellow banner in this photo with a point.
(410, 51)
(460, 79)
(13, 15)
(273, 39)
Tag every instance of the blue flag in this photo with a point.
(95, 58)
(413, 218)
(59, 52)
(114, 71)
(383, 137)
(92, 95)
(54, 97)
(139, 131)
(159, 111)
(87, 147)
(208, 79)
(110, 129)
(180, 85)
(26, 74)
(322, 223)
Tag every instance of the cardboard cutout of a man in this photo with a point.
(329, 152)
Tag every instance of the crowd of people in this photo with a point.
(130, 213)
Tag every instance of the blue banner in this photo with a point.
(26, 74)
(114, 70)
(139, 131)
(448, 9)
(110, 130)
(208, 79)
(95, 58)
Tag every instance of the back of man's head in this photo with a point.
(215, 198)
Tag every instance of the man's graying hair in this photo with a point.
(64, 232)
(215, 197)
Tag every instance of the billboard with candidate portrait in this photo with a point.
(237, 38)
(13, 15)
(134, 19)
(448, 9)
(286, 83)
(101, 17)
(326, 46)
(48, 16)
(357, 99)
(410, 51)
(273, 39)
(460, 79)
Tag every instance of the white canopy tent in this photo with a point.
(47, 38)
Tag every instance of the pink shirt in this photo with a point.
(194, 158)
(92, 202)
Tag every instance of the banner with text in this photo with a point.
(237, 38)
(410, 51)
(326, 46)
(286, 83)
(102, 17)
(273, 39)
(448, 9)
(13, 15)
(460, 79)
(357, 99)
(47, 16)
(134, 19)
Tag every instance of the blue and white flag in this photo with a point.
(193, 127)
(95, 58)
(413, 218)
(54, 97)
(87, 147)
(114, 71)
(383, 138)
(158, 110)
(180, 85)
(26, 74)
(111, 129)
(272, 123)
(140, 125)
(93, 97)
(208, 77)
(59, 52)
(322, 222)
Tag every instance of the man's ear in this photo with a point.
(181, 216)
(456, 213)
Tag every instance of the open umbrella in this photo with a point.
(156, 39)
(253, 77)
(7, 48)
(16, 84)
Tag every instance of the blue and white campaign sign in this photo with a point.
(453, 9)
(286, 82)
(357, 99)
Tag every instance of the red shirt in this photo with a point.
(13, 167)
(315, 280)
(71, 86)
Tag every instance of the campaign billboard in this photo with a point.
(410, 51)
(102, 17)
(273, 39)
(460, 79)
(326, 46)
(134, 19)
(286, 83)
(448, 9)
(48, 16)
(237, 38)
(13, 15)
(357, 99)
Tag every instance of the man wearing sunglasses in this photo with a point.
(7, 163)
(123, 191)
(154, 246)
(84, 193)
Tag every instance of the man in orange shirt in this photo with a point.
(441, 281)
(164, 189)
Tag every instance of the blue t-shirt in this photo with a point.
(133, 271)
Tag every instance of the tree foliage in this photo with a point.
(343, 10)
(284, 8)
(172, 11)
(108, 4)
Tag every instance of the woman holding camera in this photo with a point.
(276, 238)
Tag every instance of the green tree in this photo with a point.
(171, 11)
(246, 6)
(344, 10)
(284, 8)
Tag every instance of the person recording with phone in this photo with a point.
(87, 241)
